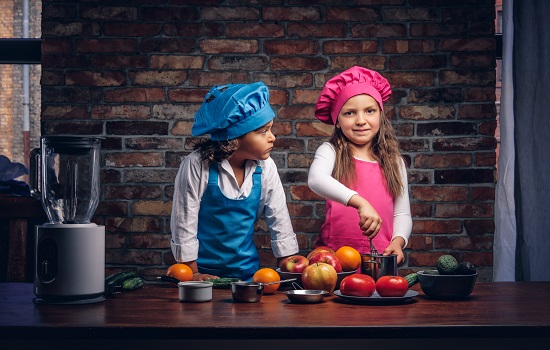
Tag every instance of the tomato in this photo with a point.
(358, 285)
(392, 286)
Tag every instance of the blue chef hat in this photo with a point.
(230, 111)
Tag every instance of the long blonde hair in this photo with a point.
(385, 148)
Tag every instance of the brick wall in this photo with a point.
(136, 74)
(11, 84)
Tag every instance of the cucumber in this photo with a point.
(412, 279)
(222, 282)
(115, 281)
(132, 283)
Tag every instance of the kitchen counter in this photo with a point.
(506, 315)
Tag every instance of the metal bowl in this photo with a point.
(439, 286)
(306, 296)
(247, 292)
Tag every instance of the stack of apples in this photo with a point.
(320, 268)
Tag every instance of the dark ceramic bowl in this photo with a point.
(439, 286)
(286, 275)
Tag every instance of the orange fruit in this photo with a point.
(180, 271)
(267, 275)
(349, 258)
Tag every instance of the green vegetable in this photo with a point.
(222, 282)
(466, 268)
(412, 279)
(132, 283)
(115, 281)
(446, 265)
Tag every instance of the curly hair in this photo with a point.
(216, 151)
(385, 149)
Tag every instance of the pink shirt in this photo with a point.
(341, 225)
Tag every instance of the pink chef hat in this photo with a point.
(349, 83)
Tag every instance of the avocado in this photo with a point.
(446, 264)
(466, 268)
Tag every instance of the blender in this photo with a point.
(69, 249)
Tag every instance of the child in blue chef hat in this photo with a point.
(226, 184)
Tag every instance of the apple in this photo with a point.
(319, 249)
(319, 276)
(294, 263)
(358, 285)
(328, 258)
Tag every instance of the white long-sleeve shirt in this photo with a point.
(321, 181)
(190, 184)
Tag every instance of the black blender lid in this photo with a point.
(71, 141)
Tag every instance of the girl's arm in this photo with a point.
(402, 220)
(320, 181)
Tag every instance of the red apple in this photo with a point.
(358, 285)
(319, 276)
(328, 258)
(319, 249)
(294, 263)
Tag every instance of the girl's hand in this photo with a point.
(369, 220)
(396, 247)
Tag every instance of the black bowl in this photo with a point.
(439, 286)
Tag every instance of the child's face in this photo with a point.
(257, 144)
(359, 119)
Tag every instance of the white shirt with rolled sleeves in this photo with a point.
(190, 184)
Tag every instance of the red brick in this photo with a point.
(437, 226)
(168, 45)
(440, 193)
(209, 79)
(306, 96)
(353, 14)
(349, 46)
(187, 95)
(408, 46)
(314, 129)
(420, 242)
(464, 210)
(316, 30)
(290, 13)
(131, 159)
(468, 44)
(229, 13)
(300, 210)
(255, 30)
(149, 241)
(296, 112)
(64, 112)
(464, 77)
(176, 62)
(131, 192)
(162, 143)
(341, 63)
(120, 112)
(378, 30)
(282, 129)
(290, 80)
(290, 47)
(303, 193)
(118, 62)
(88, 78)
(430, 161)
(477, 111)
(141, 224)
(105, 45)
(154, 208)
(131, 29)
(426, 112)
(225, 63)
(216, 46)
(438, 29)
(109, 12)
(298, 63)
(310, 225)
(410, 14)
(135, 95)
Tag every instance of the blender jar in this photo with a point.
(69, 177)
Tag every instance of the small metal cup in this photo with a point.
(379, 265)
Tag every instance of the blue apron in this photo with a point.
(226, 230)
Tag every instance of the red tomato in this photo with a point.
(358, 285)
(392, 286)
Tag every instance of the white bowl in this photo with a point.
(195, 291)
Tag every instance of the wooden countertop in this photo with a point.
(507, 313)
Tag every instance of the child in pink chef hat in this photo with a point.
(360, 170)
